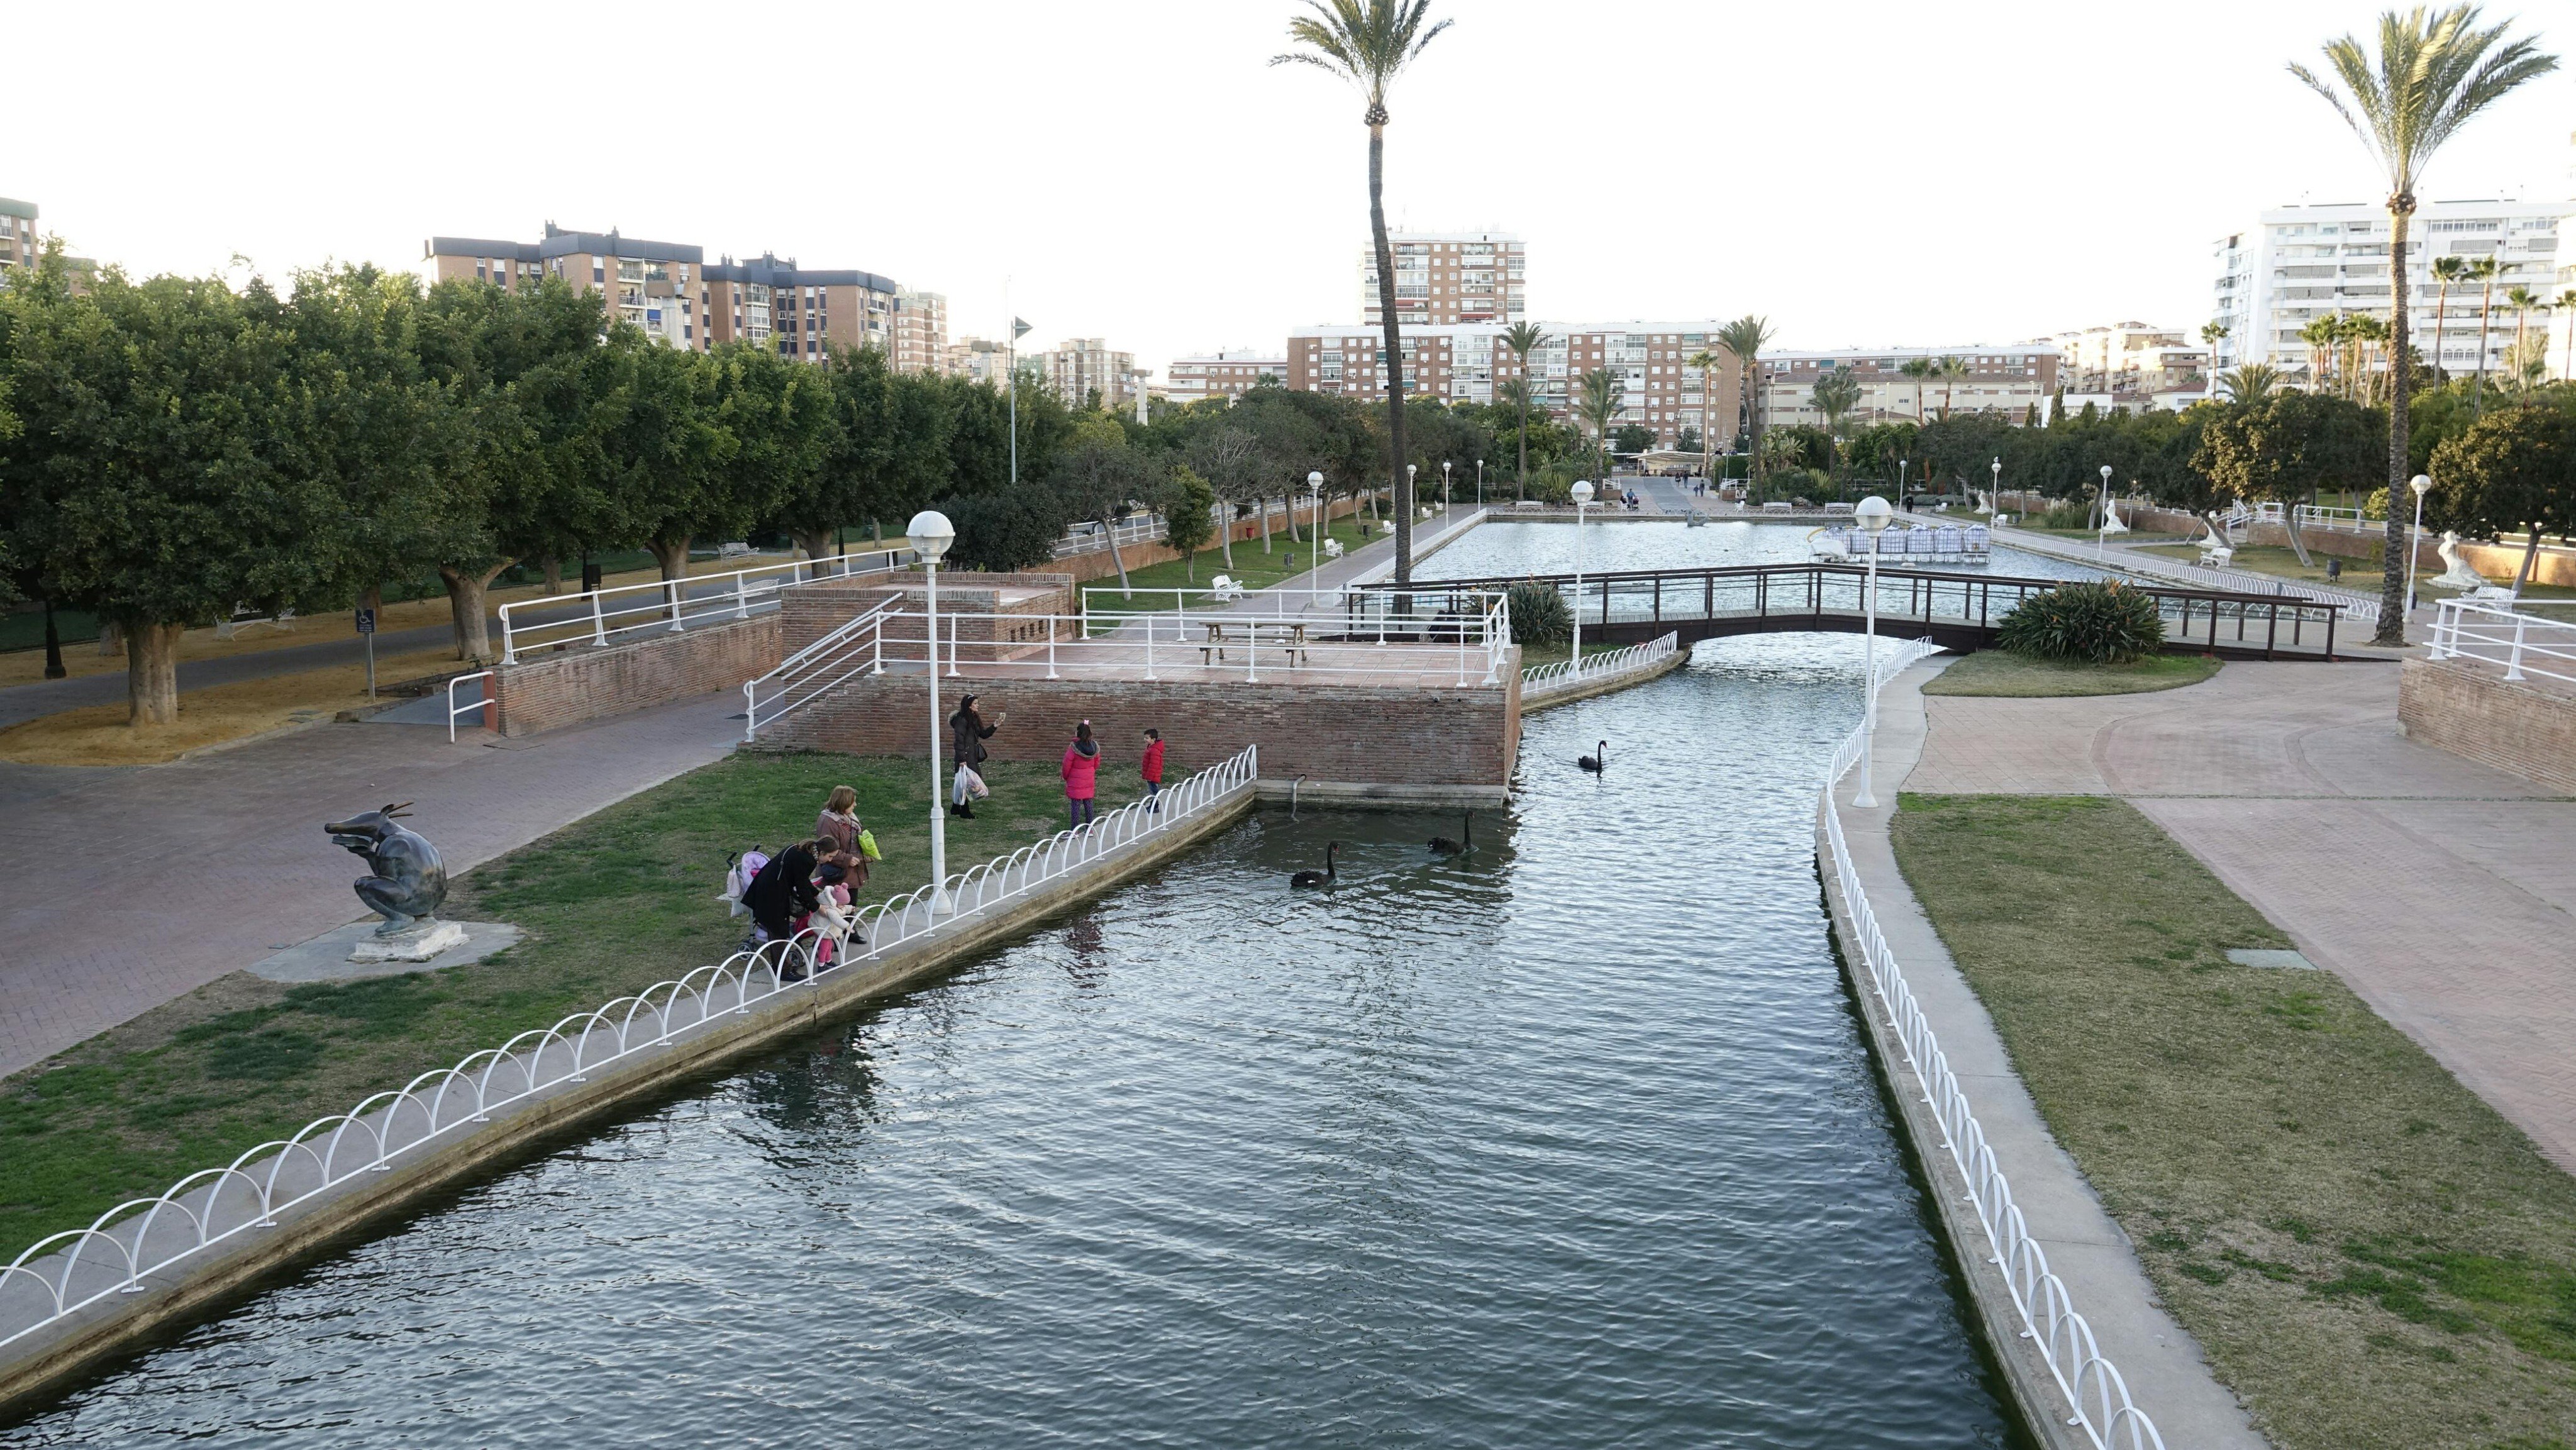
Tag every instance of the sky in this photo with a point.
(1863, 173)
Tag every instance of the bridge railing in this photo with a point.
(630, 611)
(2091, 1383)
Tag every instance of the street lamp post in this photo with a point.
(1412, 500)
(2102, 527)
(1995, 492)
(1480, 483)
(1874, 515)
(1444, 484)
(1582, 501)
(1315, 579)
(2422, 485)
(931, 534)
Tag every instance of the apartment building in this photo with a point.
(2300, 263)
(982, 359)
(1468, 363)
(2009, 380)
(1444, 279)
(1224, 374)
(2132, 362)
(920, 332)
(17, 232)
(1077, 367)
(676, 296)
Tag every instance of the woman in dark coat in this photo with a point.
(967, 733)
(783, 892)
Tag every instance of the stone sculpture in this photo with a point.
(2458, 575)
(409, 883)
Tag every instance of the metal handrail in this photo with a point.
(77, 1268)
(1608, 662)
(2090, 1382)
(2525, 644)
(2353, 602)
(487, 702)
(795, 681)
(596, 616)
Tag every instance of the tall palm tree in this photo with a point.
(2446, 272)
(1524, 338)
(1707, 361)
(1951, 371)
(2434, 71)
(1835, 395)
(2250, 382)
(2364, 336)
(2567, 303)
(1745, 337)
(2483, 272)
(2321, 334)
(1917, 368)
(2523, 301)
(1601, 392)
(2212, 333)
(1369, 43)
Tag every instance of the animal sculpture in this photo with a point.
(409, 883)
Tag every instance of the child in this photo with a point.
(1081, 775)
(1153, 769)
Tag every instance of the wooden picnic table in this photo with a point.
(1291, 634)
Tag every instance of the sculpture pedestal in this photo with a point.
(335, 956)
(419, 942)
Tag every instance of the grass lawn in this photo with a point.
(98, 734)
(611, 904)
(2369, 1255)
(2000, 672)
(1253, 568)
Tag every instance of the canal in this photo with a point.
(1570, 1142)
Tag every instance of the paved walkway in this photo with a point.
(2442, 891)
(129, 887)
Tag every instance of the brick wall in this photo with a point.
(548, 692)
(1329, 733)
(815, 610)
(2471, 710)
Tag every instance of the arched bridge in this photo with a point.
(1958, 610)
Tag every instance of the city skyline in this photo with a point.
(1655, 227)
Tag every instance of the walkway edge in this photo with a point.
(46, 1361)
(2166, 1374)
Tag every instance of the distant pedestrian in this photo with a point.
(1153, 769)
(968, 732)
(1081, 775)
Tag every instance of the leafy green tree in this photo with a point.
(885, 455)
(2433, 72)
(1599, 394)
(1102, 479)
(1369, 43)
(782, 416)
(1189, 516)
(1745, 337)
(1952, 371)
(1227, 460)
(1004, 530)
(1689, 441)
(1917, 370)
(1523, 338)
(2250, 383)
(1835, 395)
(2510, 471)
(1706, 362)
(665, 451)
(2289, 446)
(160, 477)
(1633, 438)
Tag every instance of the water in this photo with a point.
(1572, 1143)
(1534, 548)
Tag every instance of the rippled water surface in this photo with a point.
(1533, 548)
(1570, 1143)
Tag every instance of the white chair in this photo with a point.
(1224, 589)
(1332, 548)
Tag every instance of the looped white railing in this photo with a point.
(1557, 673)
(2091, 1383)
(849, 651)
(2496, 634)
(669, 606)
(72, 1270)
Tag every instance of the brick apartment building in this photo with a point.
(1225, 374)
(2008, 380)
(1443, 279)
(1467, 363)
(17, 232)
(1076, 367)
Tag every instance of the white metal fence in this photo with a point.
(1090, 538)
(669, 606)
(2091, 1383)
(2355, 604)
(70, 1271)
(2524, 644)
(854, 649)
(1558, 674)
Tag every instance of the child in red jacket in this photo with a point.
(1153, 769)
(1081, 775)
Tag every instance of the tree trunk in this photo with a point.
(1228, 544)
(1520, 480)
(554, 575)
(2401, 386)
(53, 646)
(152, 674)
(465, 608)
(673, 557)
(2478, 388)
(816, 544)
(876, 531)
(1109, 526)
(2290, 525)
(1264, 503)
(111, 638)
(2530, 555)
(1392, 364)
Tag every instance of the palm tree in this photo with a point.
(2250, 382)
(2483, 272)
(1950, 370)
(1369, 43)
(1917, 368)
(1835, 395)
(2567, 303)
(2434, 71)
(2522, 300)
(2361, 333)
(1707, 361)
(2321, 334)
(1745, 337)
(1602, 391)
(1524, 338)
(2446, 271)
(2212, 333)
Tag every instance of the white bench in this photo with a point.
(241, 619)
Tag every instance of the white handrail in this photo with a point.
(453, 711)
(77, 1268)
(2490, 633)
(2354, 603)
(1608, 662)
(799, 679)
(593, 616)
(2091, 1383)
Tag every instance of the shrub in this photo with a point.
(1003, 531)
(2096, 622)
(2065, 514)
(1540, 615)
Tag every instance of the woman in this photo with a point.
(839, 823)
(1081, 775)
(779, 896)
(967, 733)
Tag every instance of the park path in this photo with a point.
(129, 887)
(2442, 891)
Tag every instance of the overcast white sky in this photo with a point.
(1863, 172)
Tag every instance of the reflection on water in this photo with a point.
(1570, 1142)
(1534, 548)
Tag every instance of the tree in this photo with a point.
(2434, 71)
(1690, 441)
(1835, 395)
(886, 454)
(664, 450)
(1189, 516)
(1918, 369)
(2446, 271)
(2212, 333)
(1598, 395)
(2250, 382)
(1634, 438)
(1227, 460)
(2321, 334)
(2288, 447)
(1523, 338)
(2511, 471)
(1100, 478)
(781, 415)
(1004, 530)
(1745, 337)
(1369, 43)
(1702, 440)
(1952, 371)
(2482, 271)
(159, 476)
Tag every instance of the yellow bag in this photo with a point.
(868, 845)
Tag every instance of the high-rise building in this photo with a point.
(1226, 374)
(1468, 363)
(1443, 279)
(981, 359)
(17, 232)
(920, 332)
(2300, 263)
(1079, 367)
(800, 312)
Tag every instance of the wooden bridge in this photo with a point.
(1959, 611)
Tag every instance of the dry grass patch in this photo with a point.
(2000, 672)
(2371, 1257)
(98, 734)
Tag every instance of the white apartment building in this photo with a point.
(2134, 362)
(2009, 380)
(2300, 263)
(1446, 278)
(1228, 373)
(1467, 362)
(983, 360)
(1079, 366)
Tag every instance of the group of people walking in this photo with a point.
(1080, 770)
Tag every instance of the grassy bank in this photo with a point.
(2370, 1256)
(611, 904)
(99, 734)
(1999, 672)
(1252, 568)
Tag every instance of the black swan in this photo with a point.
(1443, 846)
(1593, 762)
(1318, 878)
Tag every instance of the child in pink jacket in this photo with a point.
(1081, 774)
